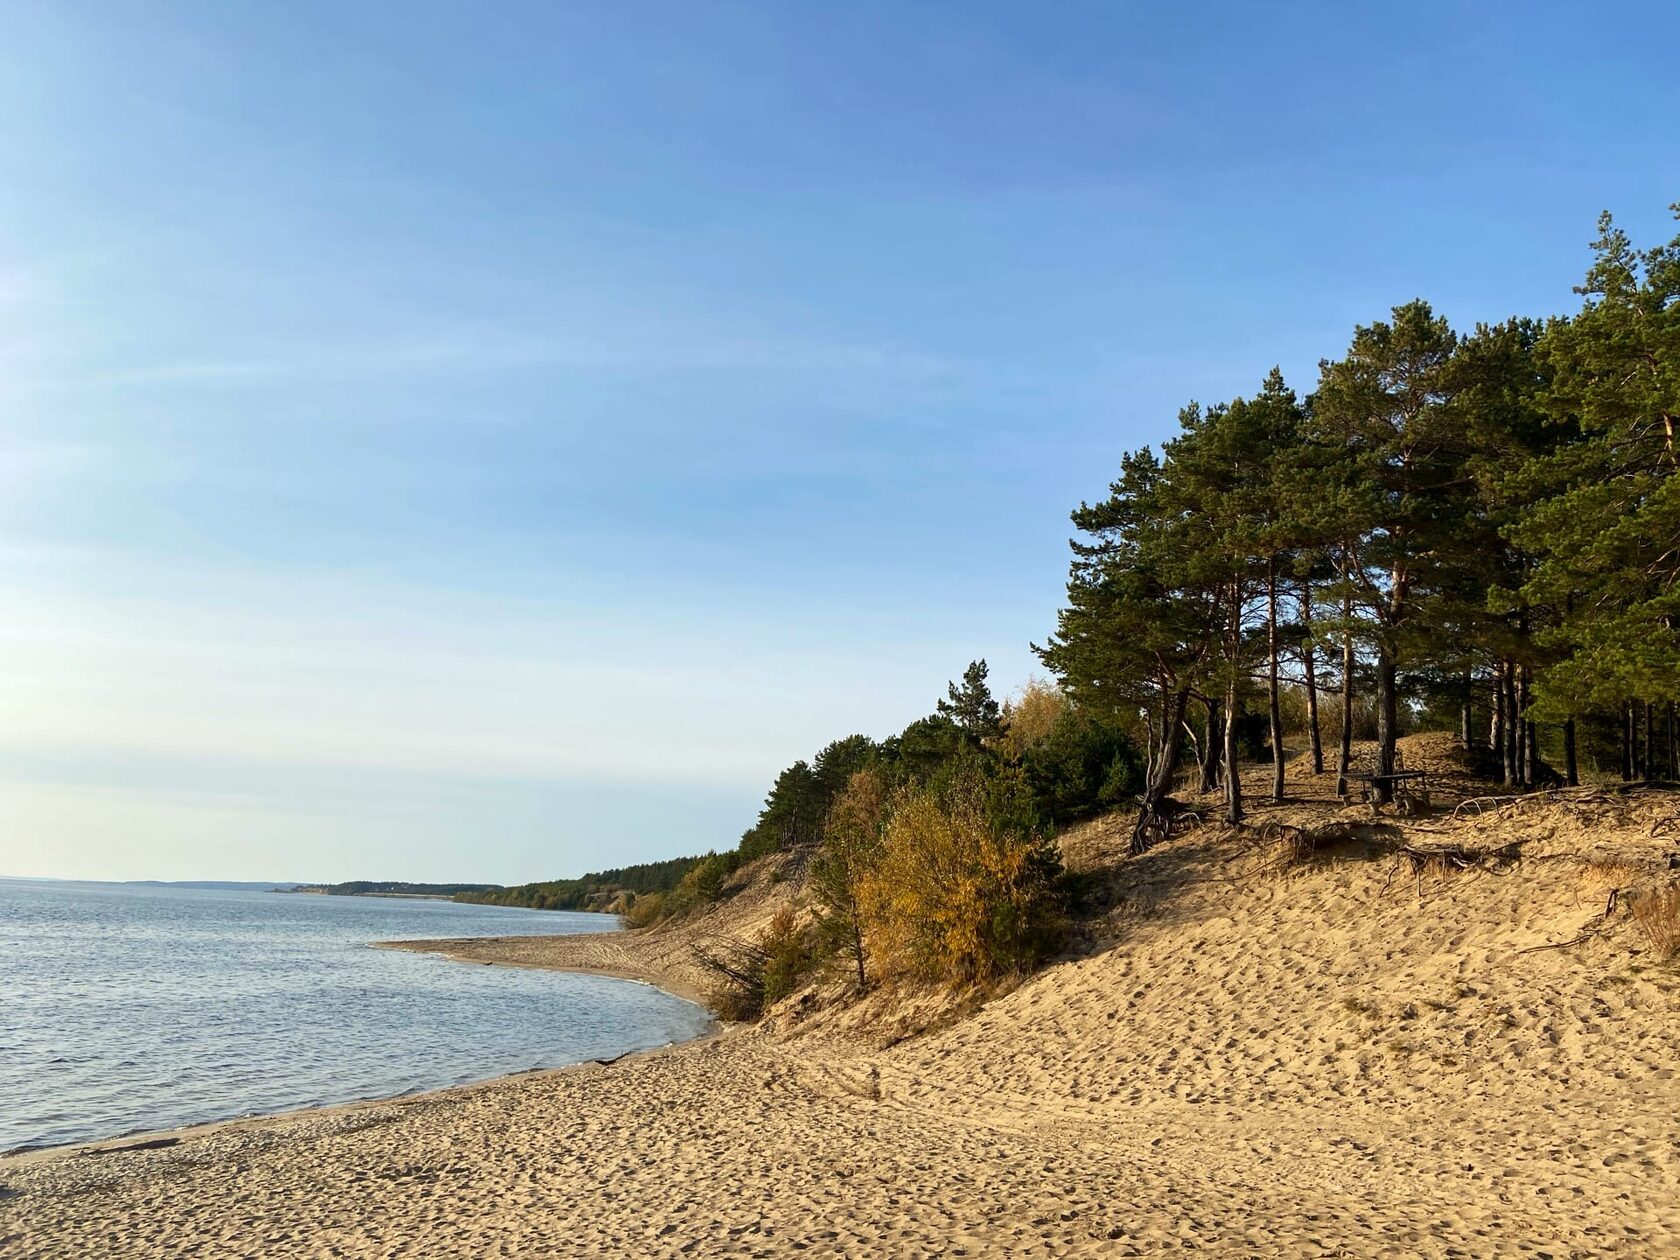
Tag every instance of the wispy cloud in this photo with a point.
(476, 353)
(421, 681)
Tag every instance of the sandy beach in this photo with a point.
(1348, 1057)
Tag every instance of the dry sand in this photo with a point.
(1335, 1059)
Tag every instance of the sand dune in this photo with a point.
(1336, 1058)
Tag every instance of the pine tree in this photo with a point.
(972, 705)
(1234, 472)
(1606, 535)
(1140, 626)
(1386, 410)
(1480, 625)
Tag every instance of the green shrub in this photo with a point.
(701, 886)
(748, 976)
(1081, 766)
(791, 955)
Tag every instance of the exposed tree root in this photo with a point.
(1596, 926)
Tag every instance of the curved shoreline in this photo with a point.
(163, 1139)
(527, 951)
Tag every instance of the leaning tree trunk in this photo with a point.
(1309, 671)
(1148, 743)
(1166, 761)
(1166, 765)
(1276, 715)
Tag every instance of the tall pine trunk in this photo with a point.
(1651, 772)
(1233, 779)
(1215, 739)
(1345, 758)
(1272, 680)
(1496, 731)
(1309, 669)
(1627, 742)
(1571, 771)
(1388, 726)
(1519, 706)
(1466, 714)
(1513, 725)
(1233, 705)
(1531, 737)
(1674, 753)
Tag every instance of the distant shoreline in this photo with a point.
(322, 892)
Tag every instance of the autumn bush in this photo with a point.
(1028, 717)
(644, 910)
(851, 847)
(963, 889)
(791, 952)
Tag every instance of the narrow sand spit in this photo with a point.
(1343, 1057)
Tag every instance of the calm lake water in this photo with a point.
(125, 1008)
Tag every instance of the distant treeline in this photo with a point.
(392, 888)
(929, 852)
(598, 891)
(1065, 763)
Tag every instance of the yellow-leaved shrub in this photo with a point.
(957, 893)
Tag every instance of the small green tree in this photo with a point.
(1085, 764)
(972, 705)
(851, 846)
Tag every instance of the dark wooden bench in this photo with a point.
(1408, 789)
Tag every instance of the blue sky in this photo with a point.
(489, 441)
